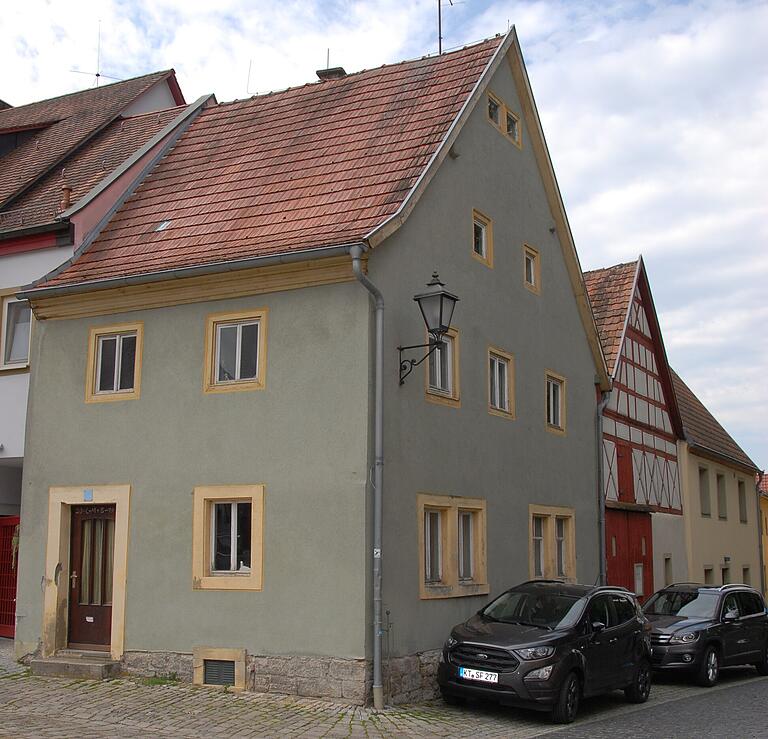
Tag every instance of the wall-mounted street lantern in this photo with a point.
(436, 306)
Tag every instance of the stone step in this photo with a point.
(81, 667)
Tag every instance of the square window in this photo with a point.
(513, 126)
(114, 363)
(482, 238)
(227, 537)
(443, 370)
(451, 546)
(555, 406)
(15, 333)
(494, 110)
(500, 383)
(235, 347)
(531, 269)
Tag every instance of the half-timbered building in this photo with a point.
(641, 424)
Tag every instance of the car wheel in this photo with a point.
(452, 700)
(710, 667)
(567, 706)
(640, 688)
(762, 666)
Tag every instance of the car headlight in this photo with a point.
(542, 673)
(686, 638)
(536, 652)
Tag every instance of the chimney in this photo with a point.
(66, 196)
(334, 73)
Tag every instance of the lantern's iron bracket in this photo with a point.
(407, 365)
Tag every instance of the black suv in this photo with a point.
(545, 645)
(700, 628)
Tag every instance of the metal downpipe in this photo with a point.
(378, 470)
(604, 398)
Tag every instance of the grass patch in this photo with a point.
(169, 679)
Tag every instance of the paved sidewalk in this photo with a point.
(8, 665)
(55, 708)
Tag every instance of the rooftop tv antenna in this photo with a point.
(97, 74)
(440, 22)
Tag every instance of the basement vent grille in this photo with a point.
(218, 672)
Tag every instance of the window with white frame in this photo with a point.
(494, 110)
(231, 537)
(441, 367)
(482, 238)
(433, 565)
(500, 382)
(552, 546)
(504, 120)
(531, 269)
(539, 523)
(235, 351)
(466, 545)
(15, 333)
(114, 362)
(513, 126)
(228, 537)
(555, 402)
(560, 552)
(451, 546)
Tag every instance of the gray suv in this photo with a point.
(699, 628)
(546, 644)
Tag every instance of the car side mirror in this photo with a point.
(598, 626)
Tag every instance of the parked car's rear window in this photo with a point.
(691, 604)
(546, 610)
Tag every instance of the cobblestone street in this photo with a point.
(61, 708)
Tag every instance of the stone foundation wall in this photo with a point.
(158, 664)
(411, 679)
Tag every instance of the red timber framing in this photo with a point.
(639, 427)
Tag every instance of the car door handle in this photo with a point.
(615, 639)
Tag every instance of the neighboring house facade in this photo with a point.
(63, 162)
(762, 488)
(720, 504)
(216, 352)
(644, 532)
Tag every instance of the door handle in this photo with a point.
(73, 579)
(615, 639)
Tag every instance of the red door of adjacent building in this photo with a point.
(629, 550)
(8, 566)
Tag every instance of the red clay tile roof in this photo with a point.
(702, 428)
(610, 291)
(82, 170)
(61, 124)
(762, 483)
(314, 166)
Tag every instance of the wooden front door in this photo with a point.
(9, 539)
(629, 550)
(90, 576)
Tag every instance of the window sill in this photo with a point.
(453, 401)
(227, 582)
(233, 387)
(532, 288)
(14, 369)
(487, 260)
(556, 430)
(111, 397)
(509, 415)
(460, 590)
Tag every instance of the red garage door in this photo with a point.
(8, 565)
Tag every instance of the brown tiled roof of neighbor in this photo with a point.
(702, 428)
(84, 169)
(60, 125)
(610, 293)
(308, 167)
(762, 483)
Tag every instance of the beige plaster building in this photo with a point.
(720, 505)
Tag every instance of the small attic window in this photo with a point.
(494, 110)
(162, 225)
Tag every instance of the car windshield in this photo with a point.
(545, 610)
(687, 603)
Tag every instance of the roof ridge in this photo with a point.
(612, 266)
(148, 113)
(455, 51)
(17, 108)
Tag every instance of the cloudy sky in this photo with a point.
(656, 115)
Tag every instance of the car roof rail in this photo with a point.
(543, 580)
(730, 585)
(612, 587)
(697, 584)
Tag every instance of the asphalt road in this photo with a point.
(736, 712)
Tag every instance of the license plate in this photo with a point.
(482, 675)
